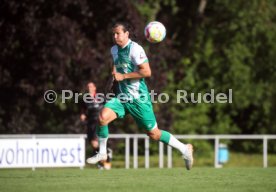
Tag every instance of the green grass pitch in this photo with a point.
(140, 180)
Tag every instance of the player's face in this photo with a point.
(91, 88)
(119, 36)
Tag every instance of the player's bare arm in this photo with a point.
(113, 69)
(143, 71)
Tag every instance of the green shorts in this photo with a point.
(142, 112)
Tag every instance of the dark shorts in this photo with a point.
(91, 130)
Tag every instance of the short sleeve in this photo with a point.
(114, 51)
(138, 55)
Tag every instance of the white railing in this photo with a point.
(216, 139)
(135, 137)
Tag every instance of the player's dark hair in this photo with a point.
(126, 27)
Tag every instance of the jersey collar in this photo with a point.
(126, 44)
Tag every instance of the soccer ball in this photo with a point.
(155, 32)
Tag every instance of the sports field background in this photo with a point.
(153, 180)
(243, 172)
(210, 45)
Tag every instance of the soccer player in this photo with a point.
(89, 116)
(130, 67)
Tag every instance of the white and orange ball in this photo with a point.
(155, 32)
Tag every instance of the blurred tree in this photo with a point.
(59, 46)
(224, 46)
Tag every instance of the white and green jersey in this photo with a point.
(127, 60)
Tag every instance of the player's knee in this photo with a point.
(103, 119)
(95, 144)
(153, 136)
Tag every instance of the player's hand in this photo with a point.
(118, 76)
(83, 117)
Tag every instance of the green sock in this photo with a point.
(102, 131)
(165, 137)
